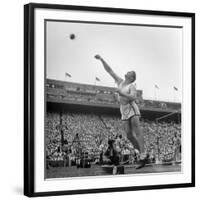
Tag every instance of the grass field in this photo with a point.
(97, 170)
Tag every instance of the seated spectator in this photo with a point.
(112, 153)
(94, 131)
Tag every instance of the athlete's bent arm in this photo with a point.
(131, 96)
(117, 79)
(128, 96)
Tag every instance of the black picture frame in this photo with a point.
(29, 95)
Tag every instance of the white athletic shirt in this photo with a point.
(127, 89)
(128, 108)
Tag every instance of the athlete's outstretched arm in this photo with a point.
(117, 79)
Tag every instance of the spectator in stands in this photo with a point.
(158, 136)
(113, 155)
(101, 149)
(69, 158)
(176, 146)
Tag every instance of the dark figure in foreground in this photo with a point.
(113, 155)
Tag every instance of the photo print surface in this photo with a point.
(113, 96)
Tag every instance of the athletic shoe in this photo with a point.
(143, 162)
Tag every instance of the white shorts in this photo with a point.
(129, 110)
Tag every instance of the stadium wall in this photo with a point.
(76, 97)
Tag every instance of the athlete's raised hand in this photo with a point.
(108, 69)
(98, 57)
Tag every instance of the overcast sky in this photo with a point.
(155, 53)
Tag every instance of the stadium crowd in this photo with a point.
(90, 133)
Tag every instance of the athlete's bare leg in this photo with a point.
(130, 136)
(135, 135)
(137, 130)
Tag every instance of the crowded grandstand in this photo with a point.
(81, 120)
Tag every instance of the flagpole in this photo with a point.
(175, 92)
(95, 80)
(67, 75)
(155, 92)
(174, 96)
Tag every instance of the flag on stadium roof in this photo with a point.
(175, 88)
(156, 86)
(97, 79)
(67, 74)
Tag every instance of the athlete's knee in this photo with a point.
(137, 125)
(134, 121)
(129, 135)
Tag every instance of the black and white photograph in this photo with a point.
(113, 95)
